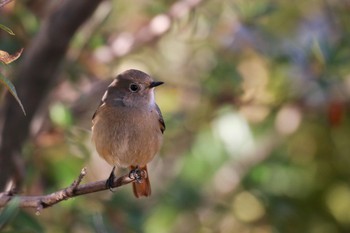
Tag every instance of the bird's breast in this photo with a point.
(126, 136)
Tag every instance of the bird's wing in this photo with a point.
(161, 120)
(97, 110)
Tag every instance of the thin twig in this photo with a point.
(75, 189)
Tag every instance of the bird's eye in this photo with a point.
(134, 87)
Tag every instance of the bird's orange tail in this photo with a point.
(142, 188)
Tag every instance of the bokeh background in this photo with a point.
(256, 102)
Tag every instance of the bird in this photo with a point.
(128, 127)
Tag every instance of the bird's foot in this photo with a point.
(110, 180)
(138, 174)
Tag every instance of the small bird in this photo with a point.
(128, 127)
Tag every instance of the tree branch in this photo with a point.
(74, 190)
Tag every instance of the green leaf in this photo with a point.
(61, 115)
(26, 222)
(9, 212)
(6, 29)
(12, 90)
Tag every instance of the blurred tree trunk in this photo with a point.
(36, 74)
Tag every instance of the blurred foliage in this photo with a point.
(5, 59)
(256, 104)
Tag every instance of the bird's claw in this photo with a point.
(110, 180)
(138, 174)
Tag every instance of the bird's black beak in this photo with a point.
(155, 84)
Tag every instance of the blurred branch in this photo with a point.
(75, 189)
(126, 43)
(36, 75)
(4, 2)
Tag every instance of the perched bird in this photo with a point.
(128, 127)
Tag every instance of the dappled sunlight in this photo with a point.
(226, 180)
(288, 120)
(235, 133)
(247, 207)
(338, 202)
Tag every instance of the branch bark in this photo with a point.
(36, 75)
(74, 190)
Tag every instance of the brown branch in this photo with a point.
(74, 190)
